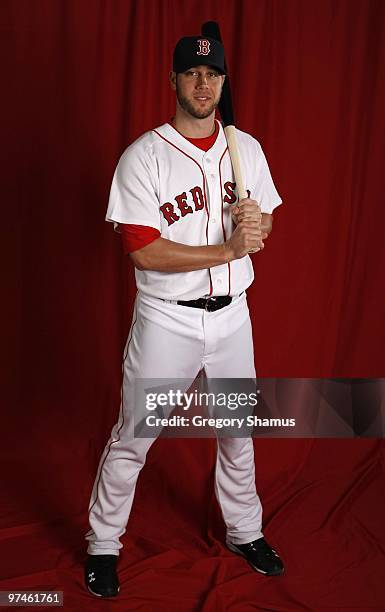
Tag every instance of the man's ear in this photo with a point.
(172, 78)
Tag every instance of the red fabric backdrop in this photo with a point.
(81, 79)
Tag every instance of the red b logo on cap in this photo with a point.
(204, 47)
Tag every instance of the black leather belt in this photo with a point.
(210, 304)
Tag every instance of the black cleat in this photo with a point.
(100, 575)
(260, 555)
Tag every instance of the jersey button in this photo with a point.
(213, 220)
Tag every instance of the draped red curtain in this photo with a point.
(81, 79)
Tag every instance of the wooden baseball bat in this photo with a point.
(225, 107)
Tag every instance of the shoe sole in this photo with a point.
(257, 569)
(100, 595)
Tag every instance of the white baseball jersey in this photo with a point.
(164, 181)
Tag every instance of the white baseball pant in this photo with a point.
(168, 340)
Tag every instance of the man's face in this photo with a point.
(198, 90)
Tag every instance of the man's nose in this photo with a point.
(202, 80)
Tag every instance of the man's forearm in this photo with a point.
(168, 256)
(266, 224)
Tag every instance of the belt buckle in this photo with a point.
(207, 304)
(212, 301)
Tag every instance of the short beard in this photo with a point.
(189, 108)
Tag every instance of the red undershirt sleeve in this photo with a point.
(136, 237)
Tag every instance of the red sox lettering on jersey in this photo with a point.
(164, 181)
(172, 212)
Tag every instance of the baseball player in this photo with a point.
(173, 199)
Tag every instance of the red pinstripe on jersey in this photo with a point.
(223, 227)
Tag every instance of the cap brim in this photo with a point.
(202, 63)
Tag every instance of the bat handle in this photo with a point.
(235, 160)
(236, 163)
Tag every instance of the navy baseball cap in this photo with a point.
(193, 51)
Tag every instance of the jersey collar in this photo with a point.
(172, 135)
